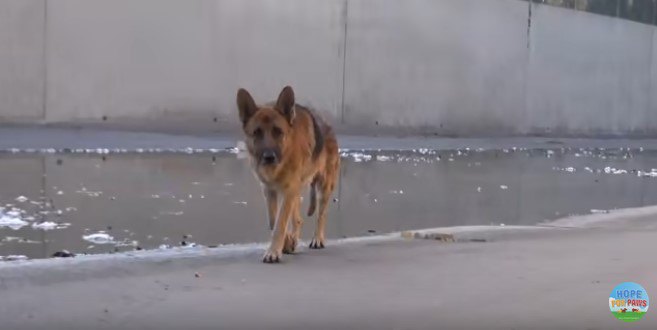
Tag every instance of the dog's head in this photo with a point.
(267, 129)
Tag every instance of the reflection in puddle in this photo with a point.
(106, 202)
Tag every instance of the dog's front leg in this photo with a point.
(292, 237)
(275, 250)
(272, 206)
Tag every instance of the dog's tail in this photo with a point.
(313, 198)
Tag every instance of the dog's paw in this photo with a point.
(290, 244)
(317, 243)
(271, 257)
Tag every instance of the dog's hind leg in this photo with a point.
(318, 239)
(326, 183)
(292, 237)
(326, 189)
(313, 197)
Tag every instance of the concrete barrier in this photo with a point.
(164, 60)
(588, 74)
(22, 72)
(449, 67)
(452, 67)
(652, 108)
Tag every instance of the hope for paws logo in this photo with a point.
(629, 302)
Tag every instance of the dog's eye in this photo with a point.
(257, 133)
(276, 132)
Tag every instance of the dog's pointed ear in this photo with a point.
(285, 103)
(246, 105)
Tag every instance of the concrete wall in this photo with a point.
(453, 67)
(588, 74)
(172, 59)
(652, 111)
(22, 59)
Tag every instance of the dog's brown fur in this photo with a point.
(290, 147)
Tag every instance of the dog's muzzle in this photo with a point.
(268, 157)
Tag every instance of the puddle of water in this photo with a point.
(105, 203)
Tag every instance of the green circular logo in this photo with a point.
(629, 301)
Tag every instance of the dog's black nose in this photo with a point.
(268, 157)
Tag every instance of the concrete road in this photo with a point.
(543, 278)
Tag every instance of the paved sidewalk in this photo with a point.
(546, 278)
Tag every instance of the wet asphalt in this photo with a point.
(113, 192)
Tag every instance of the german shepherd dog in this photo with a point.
(290, 147)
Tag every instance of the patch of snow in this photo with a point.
(14, 257)
(652, 173)
(178, 213)
(127, 243)
(503, 187)
(49, 225)
(21, 199)
(611, 170)
(359, 157)
(12, 221)
(84, 191)
(99, 238)
(382, 158)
